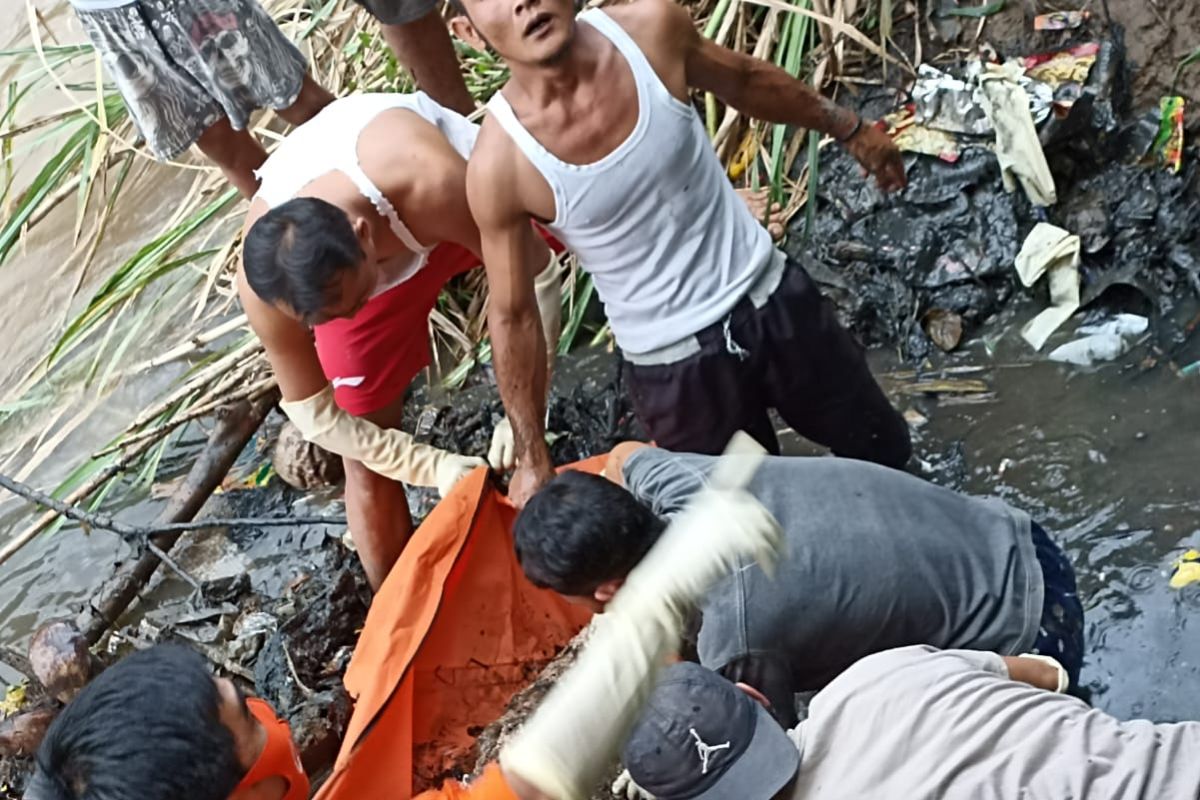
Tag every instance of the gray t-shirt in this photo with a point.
(875, 559)
(916, 723)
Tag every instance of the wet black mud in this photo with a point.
(948, 242)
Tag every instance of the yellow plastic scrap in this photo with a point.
(13, 700)
(1187, 570)
(1063, 69)
(744, 155)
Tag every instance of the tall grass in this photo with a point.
(182, 274)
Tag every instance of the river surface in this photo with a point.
(1106, 458)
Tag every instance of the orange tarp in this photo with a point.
(453, 633)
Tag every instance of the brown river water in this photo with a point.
(1106, 458)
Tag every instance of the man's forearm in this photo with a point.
(770, 94)
(518, 353)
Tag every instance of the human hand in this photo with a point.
(502, 455)
(879, 156)
(453, 468)
(526, 480)
(625, 787)
(1044, 672)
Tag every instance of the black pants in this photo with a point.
(791, 355)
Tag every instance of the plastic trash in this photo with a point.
(1060, 20)
(1102, 342)
(1017, 146)
(1168, 145)
(1063, 66)
(1187, 570)
(913, 137)
(946, 103)
(955, 105)
(1050, 250)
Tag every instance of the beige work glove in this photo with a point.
(626, 787)
(570, 740)
(547, 287)
(502, 454)
(388, 452)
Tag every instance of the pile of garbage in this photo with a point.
(1023, 172)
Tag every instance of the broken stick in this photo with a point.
(236, 424)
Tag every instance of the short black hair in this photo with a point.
(581, 530)
(294, 252)
(148, 728)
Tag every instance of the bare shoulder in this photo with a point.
(394, 168)
(493, 153)
(267, 322)
(654, 23)
(495, 162)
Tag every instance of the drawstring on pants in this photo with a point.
(732, 347)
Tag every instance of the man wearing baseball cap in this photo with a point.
(876, 559)
(915, 723)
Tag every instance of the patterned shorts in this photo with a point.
(181, 65)
(1061, 632)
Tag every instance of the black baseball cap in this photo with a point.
(700, 737)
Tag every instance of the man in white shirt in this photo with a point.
(914, 723)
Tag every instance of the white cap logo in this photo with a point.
(705, 750)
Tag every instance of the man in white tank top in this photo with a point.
(360, 220)
(594, 136)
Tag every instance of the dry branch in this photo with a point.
(236, 424)
(106, 522)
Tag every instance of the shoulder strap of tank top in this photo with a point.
(606, 25)
(503, 113)
(369, 190)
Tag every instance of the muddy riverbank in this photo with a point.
(1104, 456)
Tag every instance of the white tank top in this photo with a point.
(670, 245)
(329, 142)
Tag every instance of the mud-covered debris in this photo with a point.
(299, 669)
(950, 239)
(304, 465)
(949, 243)
(60, 659)
(21, 733)
(1060, 20)
(944, 328)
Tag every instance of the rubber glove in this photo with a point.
(569, 741)
(626, 787)
(502, 455)
(547, 287)
(386, 451)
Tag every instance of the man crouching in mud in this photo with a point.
(360, 220)
(595, 137)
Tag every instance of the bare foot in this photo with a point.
(756, 200)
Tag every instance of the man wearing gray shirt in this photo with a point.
(876, 559)
(914, 723)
